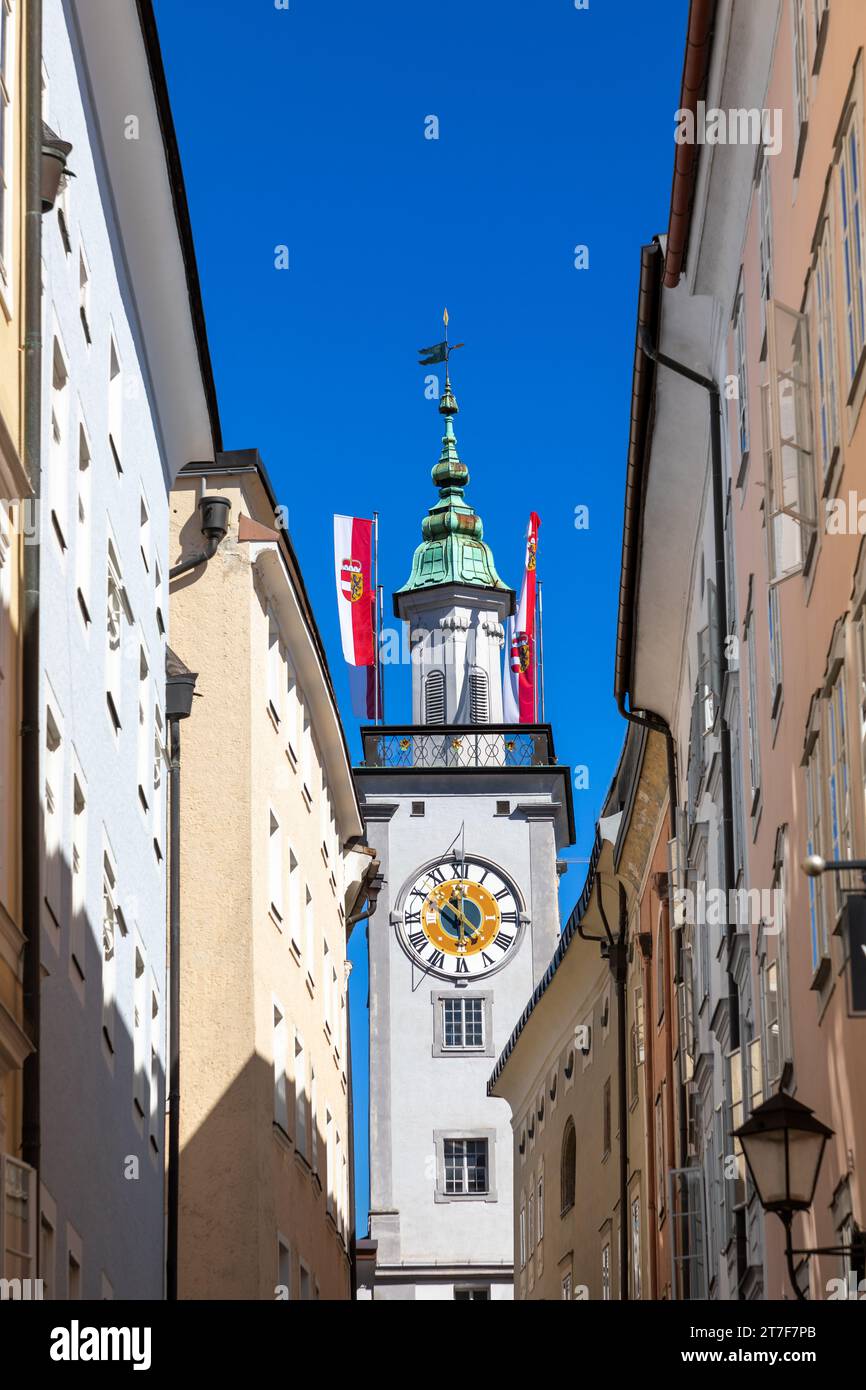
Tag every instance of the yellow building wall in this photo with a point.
(245, 1180)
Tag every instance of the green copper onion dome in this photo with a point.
(453, 549)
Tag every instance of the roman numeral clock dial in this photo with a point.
(461, 919)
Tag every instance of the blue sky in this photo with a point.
(305, 128)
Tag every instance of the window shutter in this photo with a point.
(434, 698)
(478, 705)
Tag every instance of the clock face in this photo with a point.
(461, 918)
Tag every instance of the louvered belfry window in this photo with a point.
(478, 705)
(434, 698)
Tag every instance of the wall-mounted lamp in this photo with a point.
(55, 153)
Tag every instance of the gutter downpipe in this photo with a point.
(31, 829)
(643, 389)
(614, 949)
(709, 385)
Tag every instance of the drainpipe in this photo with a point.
(179, 691)
(31, 827)
(709, 385)
(614, 949)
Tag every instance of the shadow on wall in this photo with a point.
(102, 1095)
(245, 1186)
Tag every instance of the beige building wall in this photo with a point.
(15, 519)
(814, 672)
(268, 811)
(560, 1072)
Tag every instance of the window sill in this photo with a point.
(830, 478)
(441, 1197)
(820, 43)
(311, 985)
(855, 380)
(822, 974)
(281, 1136)
(801, 147)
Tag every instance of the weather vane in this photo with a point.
(439, 352)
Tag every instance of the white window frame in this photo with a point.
(741, 369)
(280, 1045)
(838, 785)
(852, 232)
(144, 742)
(441, 1138)
(17, 1186)
(57, 491)
(83, 523)
(140, 1003)
(752, 722)
(802, 72)
(789, 461)
(276, 895)
(154, 1053)
(84, 292)
(826, 368)
(115, 403)
(302, 1100)
(274, 668)
(8, 170)
(815, 844)
(54, 819)
(116, 609)
(78, 930)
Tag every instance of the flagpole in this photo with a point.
(381, 602)
(376, 614)
(541, 649)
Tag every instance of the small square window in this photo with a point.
(465, 1166)
(462, 1023)
(503, 808)
(418, 808)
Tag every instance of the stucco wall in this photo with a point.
(91, 1132)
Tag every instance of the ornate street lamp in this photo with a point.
(784, 1144)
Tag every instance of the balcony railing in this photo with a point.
(458, 745)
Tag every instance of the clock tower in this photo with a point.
(466, 815)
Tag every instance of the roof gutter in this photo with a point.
(696, 66)
(640, 430)
(174, 171)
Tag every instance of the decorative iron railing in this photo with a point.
(458, 745)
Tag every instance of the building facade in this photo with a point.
(467, 817)
(267, 906)
(585, 1200)
(127, 400)
(18, 1193)
(743, 644)
(798, 346)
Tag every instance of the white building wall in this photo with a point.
(413, 1092)
(100, 1166)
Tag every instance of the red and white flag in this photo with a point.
(518, 677)
(356, 598)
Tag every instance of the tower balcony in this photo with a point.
(472, 746)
